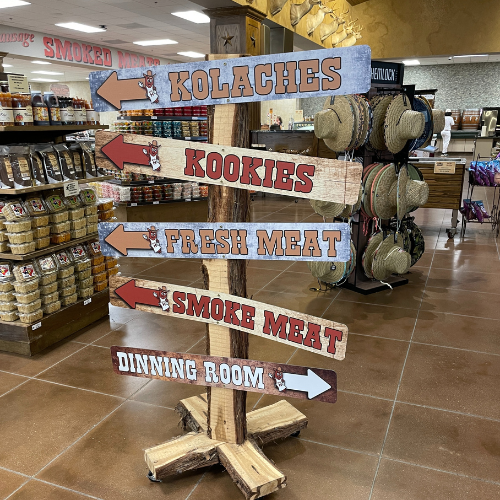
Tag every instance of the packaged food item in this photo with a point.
(89, 160)
(88, 196)
(49, 298)
(78, 223)
(3, 236)
(86, 283)
(8, 306)
(100, 277)
(55, 204)
(60, 227)
(106, 215)
(7, 296)
(85, 274)
(14, 210)
(70, 299)
(22, 109)
(66, 161)
(79, 111)
(25, 271)
(110, 262)
(59, 217)
(24, 237)
(52, 104)
(97, 260)
(92, 228)
(41, 232)
(27, 298)
(84, 293)
(6, 174)
(76, 152)
(47, 269)
(66, 292)
(91, 210)
(22, 249)
(65, 282)
(50, 162)
(92, 219)
(6, 277)
(80, 258)
(41, 243)
(105, 204)
(31, 317)
(2, 225)
(4, 246)
(6, 112)
(76, 214)
(63, 260)
(94, 249)
(9, 316)
(79, 233)
(41, 221)
(58, 238)
(67, 110)
(112, 271)
(39, 108)
(26, 286)
(99, 268)
(20, 164)
(18, 226)
(48, 289)
(36, 166)
(99, 287)
(52, 307)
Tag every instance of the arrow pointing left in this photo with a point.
(114, 91)
(120, 152)
(310, 383)
(123, 241)
(134, 295)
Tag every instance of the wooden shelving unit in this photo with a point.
(46, 187)
(42, 133)
(50, 128)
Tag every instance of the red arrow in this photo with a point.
(120, 152)
(114, 91)
(134, 295)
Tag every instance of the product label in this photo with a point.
(28, 114)
(37, 166)
(5, 271)
(19, 115)
(92, 116)
(27, 271)
(67, 114)
(6, 115)
(78, 252)
(77, 160)
(63, 259)
(80, 115)
(54, 201)
(8, 169)
(40, 114)
(47, 264)
(24, 167)
(73, 201)
(55, 114)
(18, 210)
(36, 205)
(89, 197)
(95, 247)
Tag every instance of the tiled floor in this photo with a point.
(418, 412)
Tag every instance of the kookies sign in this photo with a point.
(246, 79)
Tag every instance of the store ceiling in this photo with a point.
(432, 61)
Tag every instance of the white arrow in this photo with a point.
(310, 383)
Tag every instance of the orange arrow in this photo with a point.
(122, 240)
(114, 91)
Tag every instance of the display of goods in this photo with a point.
(471, 119)
(41, 221)
(7, 296)
(48, 289)
(482, 173)
(14, 210)
(69, 300)
(49, 298)
(51, 307)
(31, 317)
(41, 243)
(8, 306)
(61, 227)
(22, 249)
(158, 129)
(17, 238)
(59, 217)
(9, 316)
(58, 238)
(456, 114)
(99, 287)
(27, 298)
(204, 191)
(26, 286)
(19, 226)
(78, 233)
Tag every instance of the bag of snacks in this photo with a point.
(6, 277)
(64, 264)
(66, 161)
(50, 162)
(20, 163)
(36, 166)
(47, 269)
(76, 152)
(6, 174)
(88, 160)
(57, 208)
(94, 250)
(37, 210)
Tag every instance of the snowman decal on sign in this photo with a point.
(162, 296)
(152, 237)
(152, 153)
(279, 382)
(149, 85)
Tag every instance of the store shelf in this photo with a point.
(51, 128)
(157, 202)
(49, 249)
(156, 182)
(45, 187)
(28, 339)
(164, 118)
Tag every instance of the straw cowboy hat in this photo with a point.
(439, 121)
(402, 124)
(334, 272)
(330, 209)
(335, 123)
(414, 242)
(421, 105)
(379, 105)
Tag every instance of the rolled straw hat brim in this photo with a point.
(390, 258)
(373, 243)
(438, 117)
(327, 209)
(357, 121)
(379, 107)
(328, 272)
(367, 197)
(384, 193)
(335, 123)
(420, 106)
(431, 132)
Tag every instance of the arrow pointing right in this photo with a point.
(123, 241)
(134, 295)
(114, 91)
(310, 383)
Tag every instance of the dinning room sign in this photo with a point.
(291, 75)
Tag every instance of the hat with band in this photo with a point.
(379, 107)
(390, 258)
(335, 123)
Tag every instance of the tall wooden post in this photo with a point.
(233, 32)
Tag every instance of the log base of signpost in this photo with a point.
(250, 469)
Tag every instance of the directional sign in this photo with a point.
(246, 79)
(317, 335)
(229, 373)
(220, 240)
(290, 175)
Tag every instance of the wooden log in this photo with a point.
(254, 474)
(194, 413)
(191, 451)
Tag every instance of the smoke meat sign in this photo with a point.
(222, 431)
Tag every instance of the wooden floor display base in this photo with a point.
(254, 474)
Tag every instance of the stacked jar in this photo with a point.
(22, 110)
(6, 114)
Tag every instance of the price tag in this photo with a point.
(188, 199)
(154, 117)
(156, 202)
(444, 167)
(133, 204)
(86, 302)
(36, 326)
(71, 188)
(151, 182)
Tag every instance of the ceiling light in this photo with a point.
(43, 80)
(41, 62)
(411, 62)
(190, 54)
(193, 16)
(47, 73)
(80, 27)
(165, 41)
(477, 55)
(12, 3)
(7, 65)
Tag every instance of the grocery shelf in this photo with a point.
(45, 187)
(49, 249)
(51, 128)
(161, 118)
(155, 202)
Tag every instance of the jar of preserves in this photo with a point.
(6, 114)
(80, 111)
(53, 106)
(22, 110)
(92, 115)
(67, 111)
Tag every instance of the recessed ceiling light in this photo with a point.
(193, 16)
(12, 3)
(476, 55)
(411, 62)
(43, 80)
(80, 27)
(7, 65)
(165, 41)
(47, 73)
(190, 54)
(41, 62)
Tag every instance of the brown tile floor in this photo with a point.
(418, 412)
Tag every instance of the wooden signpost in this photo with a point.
(317, 335)
(222, 431)
(277, 173)
(255, 241)
(278, 76)
(228, 373)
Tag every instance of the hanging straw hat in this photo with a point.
(414, 242)
(328, 272)
(401, 124)
(368, 123)
(379, 107)
(417, 194)
(439, 121)
(359, 120)
(390, 258)
(367, 197)
(420, 105)
(390, 193)
(373, 243)
(327, 209)
(335, 123)
(431, 131)
(350, 209)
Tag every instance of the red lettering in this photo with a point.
(108, 58)
(134, 60)
(63, 51)
(284, 170)
(97, 55)
(86, 53)
(306, 184)
(268, 179)
(231, 168)
(142, 62)
(149, 61)
(247, 316)
(249, 166)
(217, 309)
(49, 51)
(296, 326)
(193, 158)
(333, 335)
(178, 306)
(77, 52)
(123, 60)
(156, 62)
(276, 327)
(214, 165)
(198, 308)
(312, 336)
(230, 317)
